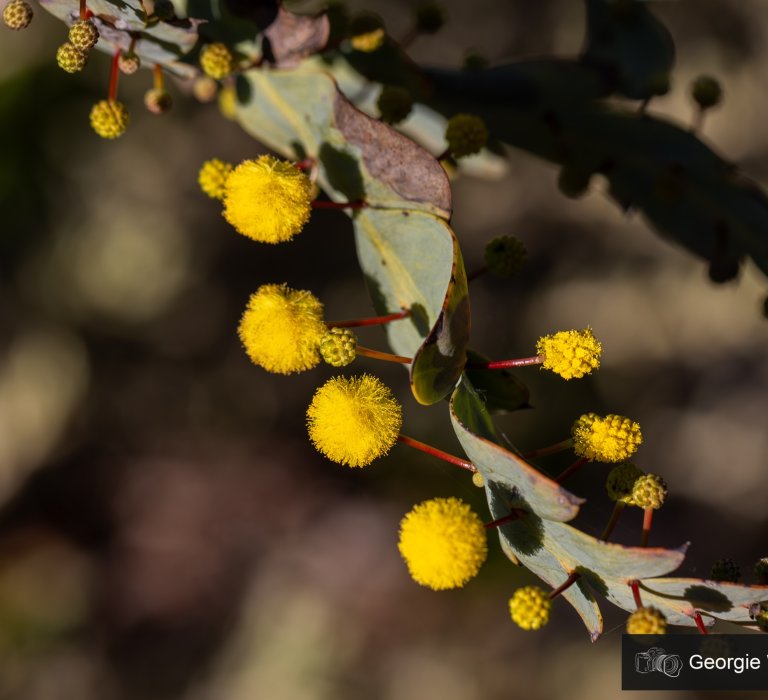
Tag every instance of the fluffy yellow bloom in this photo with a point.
(281, 329)
(610, 439)
(213, 177)
(571, 354)
(529, 607)
(109, 119)
(443, 543)
(268, 200)
(354, 420)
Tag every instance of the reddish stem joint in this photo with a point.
(565, 585)
(451, 459)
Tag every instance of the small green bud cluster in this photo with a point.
(725, 570)
(466, 134)
(338, 347)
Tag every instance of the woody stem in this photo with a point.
(647, 520)
(615, 515)
(504, 364)
(565, 585)
(378, 355)
(552, 449)
(457, 461)
(571, 470)
(373, 321)
(318, 204)
(114, 76)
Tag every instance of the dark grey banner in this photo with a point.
(694, 662)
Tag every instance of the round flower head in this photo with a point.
(649, 491)
(529, 607)
(70, 58)
(354, 420)
(610, 439)
(706, 91)
(338, 347)
(466, 134)
(281, 329)
(571, 354)
(157, 100)
(395, 104)
(478, 480)
(17, 14)
(109, 119)
(621, 480)
(443, 543)
(213, 176)
(761, 618)
(647, 621)
(366, 33)
(217, 60)
(84, 35)
(761, 570)
(268, 200)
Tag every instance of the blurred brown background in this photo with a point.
(166, 529)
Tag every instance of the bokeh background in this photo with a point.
(166, 529)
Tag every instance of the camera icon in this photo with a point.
(656, 659)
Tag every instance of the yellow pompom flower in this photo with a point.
(354, 420)
(610, 439)
(268, 200)
(217, 60)
(281, 329)
(529, 607)
(213, 177)
(228, 102)
(571, 354)
(109, 119)
(443, 543)
(647, 621)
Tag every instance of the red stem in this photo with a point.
(437, 453)
(700, 623)
(374, 321)
(114, 77)
(83, 10)
(647, 520)
(565, 585)
(635, 586)
(504, 364)
(317, 204)
(378, 355)
(305, 164)
(581, 461)
(516, 514)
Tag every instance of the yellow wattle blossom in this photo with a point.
(268, 200)
(109, 119)
(368, 42)
(217, 60)
(281, 329)
(354, 420)
(647, 621)
(443, 543)
(571, 354)
(529, 607)
(610, 439)
(213, 177)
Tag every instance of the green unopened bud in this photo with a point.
(725, 570)
(621, 480)
(474, 61)
(505, 255)
(762, 620)
(761, 570)
(649, 491)
(466, 134)
(429, 18)
(338, 347)
(395, 104)
(706, 91)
